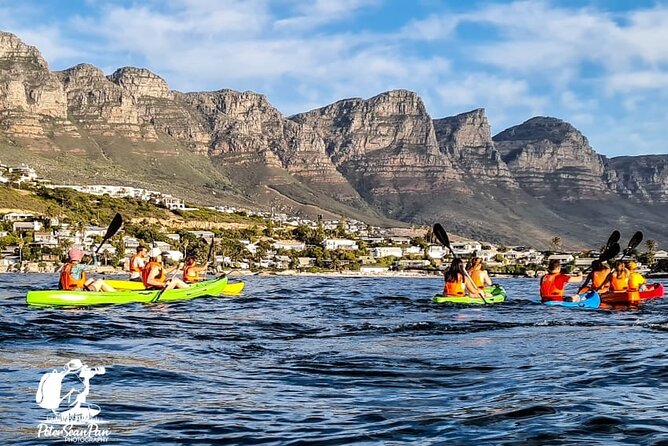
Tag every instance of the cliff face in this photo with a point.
(382, 157)
(550, 157)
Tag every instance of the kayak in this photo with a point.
(654, 291)
(592, 300)
(46, 298)
(232, 288)
(495, 294)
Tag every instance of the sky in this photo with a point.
(601, 65)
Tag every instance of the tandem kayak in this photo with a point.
(654, 291)
(495, 295)
(231, 289)
(47, 298)
(592, 300)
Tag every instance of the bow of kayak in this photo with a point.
(48, 298)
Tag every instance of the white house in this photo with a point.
(27, 226)
(661, 254)
(413, 250)
(45, 238)
(435, 251)
(373, 269)
(16, 216)
(386, 251)
(340, 243)
(289, 245)
(203, 234)
(467, 248)
(563, 258)
(173, 255)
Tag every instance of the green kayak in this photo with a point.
(48, 298)
(495, 295)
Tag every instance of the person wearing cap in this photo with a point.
(154, 274)
(73, 275)
(191, 270)
(137, 263)
(636, 280)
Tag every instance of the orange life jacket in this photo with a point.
(549, 290)
(619, 283)
(477, 278)
(147, 270)
(190, 274)
(455, 288)
(67, 282)
(597, 279)
(133, 268)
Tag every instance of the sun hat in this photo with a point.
(155, 252)
(75, 254)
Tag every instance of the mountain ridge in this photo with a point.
(381, 160)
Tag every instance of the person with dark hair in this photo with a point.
(596, 278)
(191, 270)
(617, 278)
(137, 263)
(478, 275)
(458, 282)
(553, 284)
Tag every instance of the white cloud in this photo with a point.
(310, 14)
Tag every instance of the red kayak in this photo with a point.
(653, 291)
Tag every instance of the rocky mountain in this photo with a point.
(382, 160)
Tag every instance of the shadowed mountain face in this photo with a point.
(382, 160)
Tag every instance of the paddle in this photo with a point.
(605, 254)
(159, 295)
(208, 257)
(442, 237)
(633, 244)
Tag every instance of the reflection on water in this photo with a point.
(332, 360)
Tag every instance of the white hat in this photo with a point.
(155, 252)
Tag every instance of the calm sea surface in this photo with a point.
(299, 360)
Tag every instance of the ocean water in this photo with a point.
(318, 360)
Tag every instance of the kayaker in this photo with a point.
(191, 270)
(73, 275)
(636, 280)
(596, 278)
(618, 279)
(478, 275)
(458, 283)
(137, 263)
(553, 284)
(154, 274)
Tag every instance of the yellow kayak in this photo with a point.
(231, 289)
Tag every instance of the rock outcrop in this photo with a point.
(642, 178)
(549, 157)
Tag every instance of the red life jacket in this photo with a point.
(549, 290)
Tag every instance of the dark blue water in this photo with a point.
(336, 361)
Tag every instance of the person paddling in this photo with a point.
(191, 271)
(618, 279)
(73, 275)
(478, 275)
(137, 263)
(596, 278)
(458, 283)
(154, 274)
(553, 284)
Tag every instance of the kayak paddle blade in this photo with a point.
(614, 238)
(113, 228)
(634, 242)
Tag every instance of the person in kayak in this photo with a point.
(618, 279)
(596, 278)
(478, 275)
(553, 284)
(137, 263)
(636, 280)
(191, 271)
(154, 274)
(458, 282)
(73, 275)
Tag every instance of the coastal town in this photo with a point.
(276, 242)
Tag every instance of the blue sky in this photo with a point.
(601, 65)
